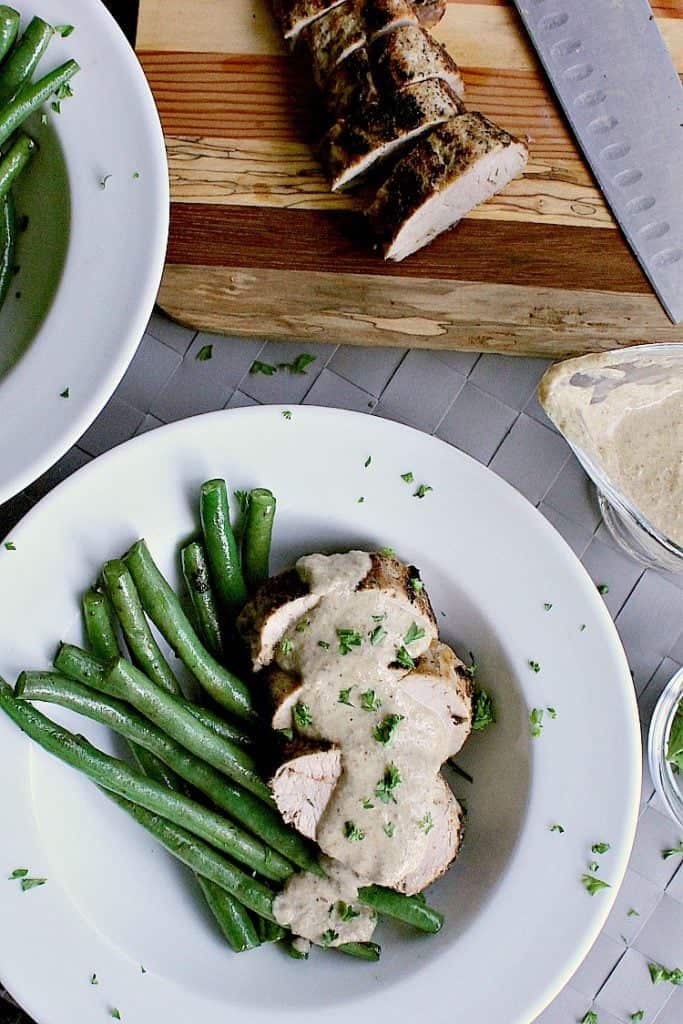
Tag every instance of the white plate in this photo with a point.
(518, 919)
(91, 258)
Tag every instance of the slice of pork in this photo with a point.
(273, 610)
(282, 693)
(430, 12)
(354, 146)
(410, 55)
(445, 839)
(352, 87)
(332, 38)
(444, 176)
(399, 582)
(387, 15)
(304, 782)
(441, 682)
(294, 15)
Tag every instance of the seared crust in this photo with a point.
(430, 12)
(435, 163)
(332, 38)
(354, 145)
(411, 55)
(352, 88)
(395, 578)
(386, 15)
(270, 611)
(293, 15)
(282, 689)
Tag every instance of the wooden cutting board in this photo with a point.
(259, 246)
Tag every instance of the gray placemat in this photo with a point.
(485, 405)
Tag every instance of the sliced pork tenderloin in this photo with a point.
(400, 582)
(294, 15)
(281, 692)
(430, 12)
(410, 55)
(441, 681)
(305, 781)
(383, 16)
(354, 146)
(274, 609)
(448, 172)
(330, 39)
(351, 88)
(445, 824)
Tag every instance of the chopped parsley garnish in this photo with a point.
(267, 369)
(287, 733)
(105, 179)
(536, 720)
(389, 829)
(345, 911)
(416, 584)
(547, 606)
(136, 175)
(302, 626)
(658, 973)
(348, 639)
(360, 500)
(384, 731)
(534, 666)
(379, 618)
(407, 478)
(594, 866)
(329, 936)
(603, 588)
(637, 1016)
(377, 635)
(19, 873)
(633, 912)
(93, 980)
(590, 1018)
(31, 883)
(422, 490)
(243, 500)
(673, 851)
(582, 627)
(389, 552)
(10, 545)
(302, 715)
(64, 30)
(370, 700)
(64, 92)
(367, 461)
(426, 823)
(404, 659)
(345, 696)
(557, 828)
(64, 393)
(552, 712)
(593, 884)
(205, 353)
(414, 633)
(484, 711)
(299, 364)
(287, 414)
(367, 803)
(324, 644)
(352, 832)
(603, 848)
(384, 790)
(115, 1013)
(286, 646)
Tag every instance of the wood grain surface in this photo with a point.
(249, 198)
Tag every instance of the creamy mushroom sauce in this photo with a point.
(625, 412)
(390, 793)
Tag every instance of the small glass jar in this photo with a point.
(668, 782)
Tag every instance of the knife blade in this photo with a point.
(616, 82)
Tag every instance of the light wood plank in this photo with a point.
(429, 314)
(476, 33)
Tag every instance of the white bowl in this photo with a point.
(92, 256)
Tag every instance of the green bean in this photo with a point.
(170, 713)
(9, 29)
(221, 547)
(155, 769)
(15, 160)
(268, 931)
(163, 607)
(100, 625)
(198, 582)
(203, 859)
(361, 950)
(115, 775)
(410, 909)
(8, 241)
(144, 649)
(32, 97)
(17, 71)
(238, 803)
(257, 537)
(232, 917)
(81, 666)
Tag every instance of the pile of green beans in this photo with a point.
(20, 54)
(196, 786)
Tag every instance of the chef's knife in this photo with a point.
(615, 79)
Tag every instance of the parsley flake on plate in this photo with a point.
(536, 720)
(300, 364)
(367, 462)
(64, 393)
(31, 883)
(18, 873)
(593, 884)
(384, 731)
(484, 711)
(352, 832)
(404, 659)
(302, 715)
(267, 369)
(674, 851)
(633, 912)
(534, 666)
(115, 1013)
(345, 697)
(590, 1017)
(547, 606)
(552, 712)
(94, 980)
(377, 635)
(64, 30)
(392, 778)
(426, 823)
(287, 414)
(205, 353)
(557, 828)
(422, 490)
(637, 1016)
(602, 848)
(10, 545)
(658, 974)
(594, 866)
(603, 588)
(361, 500)
(408, 478)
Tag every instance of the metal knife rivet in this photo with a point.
(629, 177)
(656, 229)
(578, 72)
(616, 151)
(565, 47)
(553, 21)
(591, 98)
(603, 124)
(640, 203)
(667, 256)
